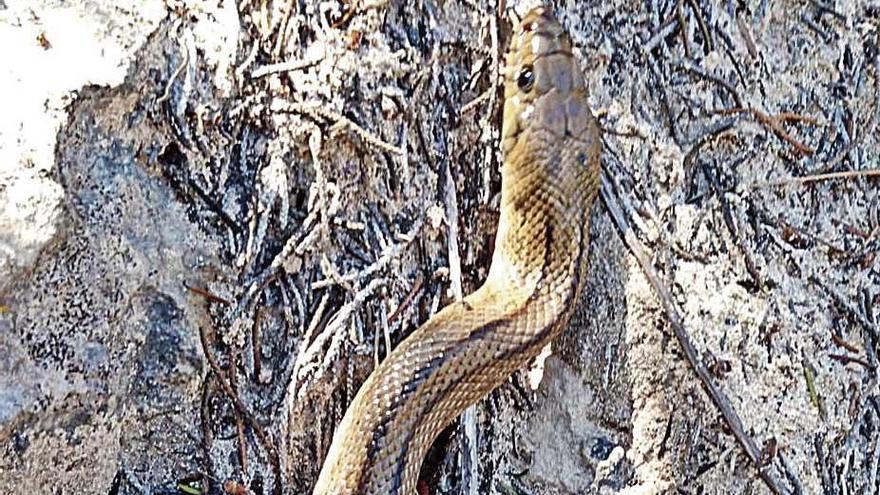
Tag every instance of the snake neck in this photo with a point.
(472, 346)
(463, 352)
(545, 198)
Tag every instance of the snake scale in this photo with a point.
(549, 181)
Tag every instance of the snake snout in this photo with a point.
(539, 17)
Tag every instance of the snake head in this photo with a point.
(544, 89)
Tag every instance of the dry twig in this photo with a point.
(390, 253)
(166, 95)
(855, 313)
(289, 66)
(772, 122)
(207, 295)
(665, 30)
(693, 68)
(823, 7)
(718, 398)
(707, 36)
(262, 436)
(852, 174)
(309, 368)
(407, 300)
(731, 226)
(320, 111)
(469, 464)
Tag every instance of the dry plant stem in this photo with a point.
(240, 408)
(319, 110)
(471, 105)
(691, 67)
(167, 93)
(407, 300)
(853, 174)
(715, 394)
(289, 66)
(451, 204)
(780, 222)
(334, 334)
(388, 254)
(282, 25)
(875, 461)
(207, 295)
(207, 434)
(707, 36)
(790, 474)
(823, 464)
(872, 126)
(846, 359)
(317, 316)
(627, 134)
(794, 117)
(468, 471)
(257, 343)
(823, 7)
(664, 31)
(843, 343)
(664, 96)
(731, 225)
(495, 81)
(243, 67)
(871, 342)
(685, 42)
(239, 421)
(772, 122)
(747, 35)
(854, 313)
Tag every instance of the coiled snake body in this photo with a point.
(550, 178)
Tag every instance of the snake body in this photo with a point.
(550, 177)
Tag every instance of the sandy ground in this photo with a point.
(216, 217)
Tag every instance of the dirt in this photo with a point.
(203, 254)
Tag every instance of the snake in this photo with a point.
(550, 144)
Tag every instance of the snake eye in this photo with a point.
(526, 78)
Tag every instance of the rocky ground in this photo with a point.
(215, 217)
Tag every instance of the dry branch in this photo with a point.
(718, 398)
(240, 408)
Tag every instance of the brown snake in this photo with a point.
(550, 179)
